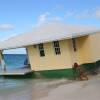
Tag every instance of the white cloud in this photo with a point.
(84, 14)
(78, 15)
(43, 18)
(97, 13)
(46, 17)
(4, 27)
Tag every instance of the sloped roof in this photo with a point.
(48, 32)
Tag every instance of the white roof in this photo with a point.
(48, 32)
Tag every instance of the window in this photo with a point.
(57, 47)
(41, 50)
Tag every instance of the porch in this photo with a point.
(14, 64)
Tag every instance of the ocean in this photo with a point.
(14, 61)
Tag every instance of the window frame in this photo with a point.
(56, 47)
(41, 50)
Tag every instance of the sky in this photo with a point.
(19, 16)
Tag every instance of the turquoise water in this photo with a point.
(14, 61)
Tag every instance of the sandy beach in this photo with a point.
(50, 89)
(84, 90)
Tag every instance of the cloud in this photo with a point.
(84, 14)
(78, 15)
(97, 13)
(4, 27)
(43, 18)
(46, 17)
(93, 13)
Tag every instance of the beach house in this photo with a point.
(54, 47)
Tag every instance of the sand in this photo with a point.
(50, 89)
(84, 90)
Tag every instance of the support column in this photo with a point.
(28, 62)
(2, 62)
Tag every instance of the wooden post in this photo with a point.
(27, 57)
(2, 62)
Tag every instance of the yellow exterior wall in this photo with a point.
(84, 52)
(51, 60)
(95, 46)
(88, 51)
